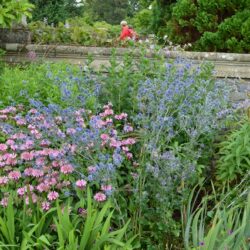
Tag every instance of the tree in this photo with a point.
(56, 10)
(12, 11)
(214, 25)
(111, 11)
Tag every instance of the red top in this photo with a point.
(125, 33)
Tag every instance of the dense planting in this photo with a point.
(133, 159)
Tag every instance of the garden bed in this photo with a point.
(121, 160)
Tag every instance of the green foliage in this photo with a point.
(232, 35)
(174, 108)
(211, 25)
(11, 11)
(94, 233)
(23, 229)
(234, 160)
(61, 228)
(44, 82)
(120, 84)
(143, 21)
(111, 11)
(55, 11)
(222, 227)
(78, 32)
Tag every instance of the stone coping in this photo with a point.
(226, 65)
(102, 51)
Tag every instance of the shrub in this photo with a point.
(178, 119)
(11, 11)
(143, 21)
(75, 31)
(55, 11)
(211, 25)
(234, 160)
(231, 36)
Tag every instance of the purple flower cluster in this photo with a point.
(178, 115)
(48, 151)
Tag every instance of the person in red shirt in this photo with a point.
(126, 32)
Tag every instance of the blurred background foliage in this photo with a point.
(209, 25)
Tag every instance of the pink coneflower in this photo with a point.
(4, 180)
(67, 169)
(38, 136)
(52, 181)
(53, 195)
(10, 142)
(106, 187)
(40, 161)
(104, 137)
(21, 122)
(28, 171)
(29, 143)
(114, 143)
(73, 148)
(19, 136)
(11, 160)
(100, 123)
(27, 156)
(3, 147)
(100, 197)
(37, 173)
(45, 143)
(42, 187)
(45, 205)
(54, 153)
(14, 175)
(125, 149)
(4, 202)
(129, 155)
(31, 127)
(129, 141)
(121, 116)
(55, 164)
(81, 184)
(21, 191)
(109, 121)
(14, 147)
(32, 111)
(107, 112)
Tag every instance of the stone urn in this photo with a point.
(19, 33)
